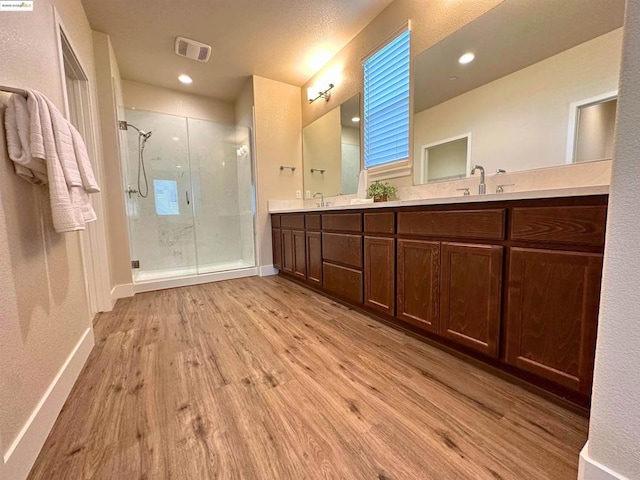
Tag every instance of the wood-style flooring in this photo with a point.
(260, 378)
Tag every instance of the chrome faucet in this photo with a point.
(321, 198)
(482, 188)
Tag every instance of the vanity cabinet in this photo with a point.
(314, 258)
(470, 297)
(287, 251)
(342, 259)
(379, 261)
(419, 283)
(276, 241)
(293, 245)
(299, 254)
(554, 292)
(515, 284)
(379, 271)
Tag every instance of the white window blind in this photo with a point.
(386, 103)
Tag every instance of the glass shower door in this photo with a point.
(161, 225)
(223, 196)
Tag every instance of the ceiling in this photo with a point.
(284, 40)
(511, 36)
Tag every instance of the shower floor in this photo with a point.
(148, 275)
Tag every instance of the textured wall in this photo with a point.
(109, 87)
(43, 308)
(278, 141)
(173, 102)
(614, 434)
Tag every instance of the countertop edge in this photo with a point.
(528, 195)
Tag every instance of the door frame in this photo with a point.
(93, 243)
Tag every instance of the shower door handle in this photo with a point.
(188, 198)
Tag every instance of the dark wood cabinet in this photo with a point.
(343, 282)
(287, 251)
(343, 249)
(314, 258)
(299, 254)
(276, 245)
(379, 273)
(470, 295)
(513, 283)
(419, 283)
(552, 313)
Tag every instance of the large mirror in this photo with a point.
(539, 89)
(331, 151)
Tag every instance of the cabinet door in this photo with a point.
(299, 254)
(471, 295)
(314, 257)
(287, 251)
(419, 283)
(379, 273)
(552, 314)
(276, 244)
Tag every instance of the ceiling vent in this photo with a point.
(192, 49)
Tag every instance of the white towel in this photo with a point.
(56, 144)
(18, 130)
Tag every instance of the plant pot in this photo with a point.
(383, 198)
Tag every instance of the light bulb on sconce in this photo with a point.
(319, 91)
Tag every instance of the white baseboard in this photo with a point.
(152, 285)
(22, 454)
(589, 469)
(267, 270)
(121, 291)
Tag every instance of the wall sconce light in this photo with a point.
(319, 91)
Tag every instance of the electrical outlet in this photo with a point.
(308, 194)
(298, 194)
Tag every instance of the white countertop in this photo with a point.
(493, 197)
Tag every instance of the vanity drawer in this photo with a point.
(573, 225)
(275, 221)
(293, 221)
(343, 249)
(481, 224)
(342, 222)
(343, 282)
(379, 223)
(313, 221)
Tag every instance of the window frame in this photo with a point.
(401, 167)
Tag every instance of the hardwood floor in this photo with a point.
(260, 378)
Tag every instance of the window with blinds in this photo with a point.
(386, 103)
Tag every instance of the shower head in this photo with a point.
(142, 133)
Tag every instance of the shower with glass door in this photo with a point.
(189, 196)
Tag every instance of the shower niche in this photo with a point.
(189, 195)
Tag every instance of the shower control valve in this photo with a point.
(129, 191)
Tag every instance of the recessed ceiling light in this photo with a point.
(355, 119)
(186, 79)
(466, 58)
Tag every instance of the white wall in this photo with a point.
(614, 430)
(278, 141)
(43, 307)
(520, 121)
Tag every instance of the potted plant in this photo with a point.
(381, 192)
